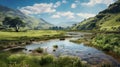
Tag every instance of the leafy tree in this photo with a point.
(15, 23)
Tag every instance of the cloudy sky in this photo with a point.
(59, 12)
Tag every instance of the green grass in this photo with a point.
(108, 42)
(85, 41)
(107, 20)
(12, 39)
(22, 60)
(110, 22)
(30, 33)
(84, 25)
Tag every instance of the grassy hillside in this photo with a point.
(85, 25)
(111, 23)
(31, 22)
(106, 20)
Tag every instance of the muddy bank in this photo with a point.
(9, 44)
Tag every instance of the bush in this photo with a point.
(39, 50)
(67, 61)
(107, 47)
(17, 58)
(108, 42)
(55, 46)
(46, 60)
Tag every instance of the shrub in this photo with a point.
(39, 50)
(55, 46)
(107, 42)
(67, 61)
(46, 60)
(17, 58)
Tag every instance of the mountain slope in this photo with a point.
(32, 23)
(106, 20)
(44, 24)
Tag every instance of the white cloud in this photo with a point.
(55, 16)
(73, 5)
(64, 1)
(85, 15)
(57, 4)
(38, 8)
(94, 2)
(68, 14)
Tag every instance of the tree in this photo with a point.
(15, 23)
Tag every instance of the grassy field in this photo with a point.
(13, 39)
(29, 34)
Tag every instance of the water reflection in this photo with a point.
(65, 47)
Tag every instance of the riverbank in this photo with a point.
(88, 55)
(107, 42)
(104, 41)
(86, 39)
(23, 60)
(14, 39)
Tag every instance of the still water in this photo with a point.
(91, 55)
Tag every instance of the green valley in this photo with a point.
(47, 33)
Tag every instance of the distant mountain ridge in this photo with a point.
(67, 24)
(32, 23)
(106, 20)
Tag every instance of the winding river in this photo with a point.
(88, 54)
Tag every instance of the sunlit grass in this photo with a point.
(23, 60)
(108, 42)
(30, 33)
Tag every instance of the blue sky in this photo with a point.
(59, 12)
